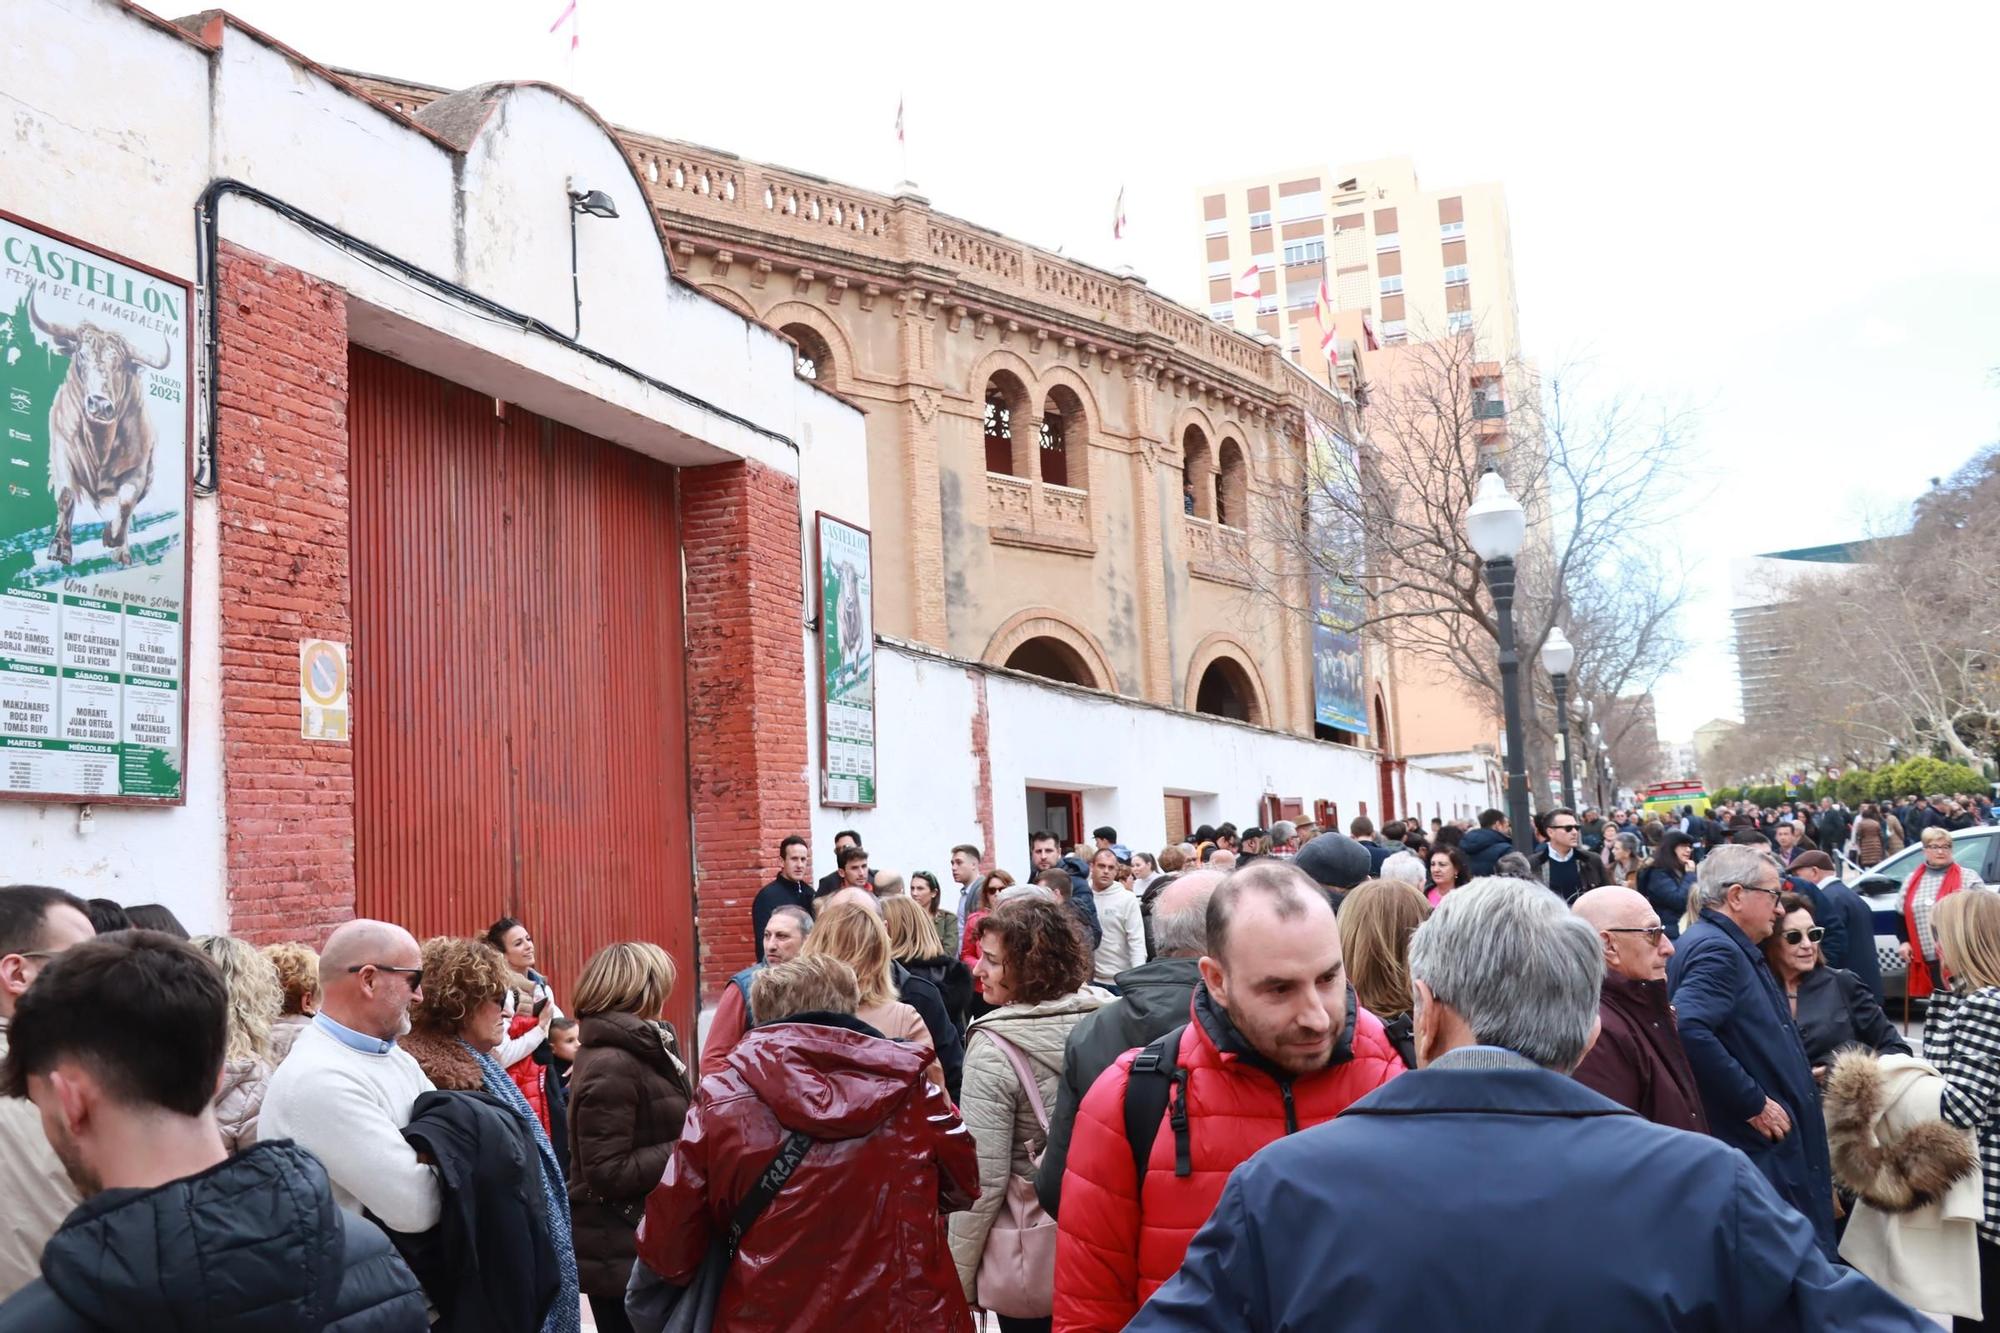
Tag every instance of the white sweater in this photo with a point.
(1124, 927)
(348, 1109)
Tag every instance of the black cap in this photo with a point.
(1334, 860)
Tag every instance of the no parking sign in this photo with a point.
(322, 690)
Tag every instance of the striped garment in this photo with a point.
(1962, 1038)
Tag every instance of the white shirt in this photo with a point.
(1124, 927)
(348, 1108)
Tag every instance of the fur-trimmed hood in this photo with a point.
(1901, 1174)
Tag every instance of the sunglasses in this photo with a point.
(1652, 933)
(415, 974)
(1561, 828)
(1796, 936)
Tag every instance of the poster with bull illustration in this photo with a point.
(847, 663)
(94, 426)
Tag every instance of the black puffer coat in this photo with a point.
(254, 1244)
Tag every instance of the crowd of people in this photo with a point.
(1230, 1084)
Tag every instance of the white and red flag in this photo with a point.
(1118, 217)
(1249, 281)
(568, 16)
(1329, 341)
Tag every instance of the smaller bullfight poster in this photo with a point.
(94, 425)
(847, 663)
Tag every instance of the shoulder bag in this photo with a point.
(1017, 1269)
(655, 1305)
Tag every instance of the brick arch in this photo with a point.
(1218, 646)
(1066, 378)
(1194, 416)
(800, 312)
(1043, 622)
(717, 292)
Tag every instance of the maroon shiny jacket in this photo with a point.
(856, 1238)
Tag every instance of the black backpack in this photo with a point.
(1157, 1086)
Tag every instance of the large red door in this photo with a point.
(520, 743)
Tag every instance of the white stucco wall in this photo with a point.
(116, 127)
(1123, 757)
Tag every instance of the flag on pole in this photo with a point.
(1329, 341)
(1248, 283)
(1118, 217)
(567, 16)
(899, 121)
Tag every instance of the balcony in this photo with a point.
(1215, 552)
(1038, 515)
(1489, 408)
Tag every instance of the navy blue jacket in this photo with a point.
(1454, 1199)
(1482, 849)
(1741, 1041)
(1858, 953)
(1667, 894)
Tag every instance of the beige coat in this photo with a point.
(35, 1193)
(1914, 1227)
(998, 1113)
(240, 1101)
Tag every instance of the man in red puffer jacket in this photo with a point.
(1276, 1044)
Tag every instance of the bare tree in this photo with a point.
(1597, 478)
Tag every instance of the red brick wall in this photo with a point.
(746, 696)
(282, 494)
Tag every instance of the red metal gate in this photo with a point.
(521, 741)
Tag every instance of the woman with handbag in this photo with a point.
(1034, 967)
(628, 1093)
(809, 1187)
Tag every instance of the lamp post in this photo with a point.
(1495, 526)
(1557, 658)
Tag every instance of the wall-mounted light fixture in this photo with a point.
(598, 204)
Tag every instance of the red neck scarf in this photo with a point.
(1920, 973)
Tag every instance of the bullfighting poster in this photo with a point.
(847, 663)
(95, 418)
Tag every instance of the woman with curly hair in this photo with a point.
(1034, 966)
(454, 1030)
(298, 977)
(254, 997)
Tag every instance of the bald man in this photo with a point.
(859, 897)
(1153, 999)
(1637, 1060)
(345, 1091)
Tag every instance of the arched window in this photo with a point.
(1005, 398)
(1231, 486)
(815, 358)
(1052, 659)
(1197, 474)
(1224, 691)
(1063, 440)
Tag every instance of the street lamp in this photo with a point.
(1557, 658)
(1496, 526)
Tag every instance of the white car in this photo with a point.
(1976, 849)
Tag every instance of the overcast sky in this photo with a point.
(1788, 217)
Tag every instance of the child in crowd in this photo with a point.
(563, 1042)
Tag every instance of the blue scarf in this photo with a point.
(565, 1316)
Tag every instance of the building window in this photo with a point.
(1218, 226)
(1223, 314)
(1455, 276)
(1301, 293)
(1394, 331)
(1305, 252)
(1458, 321)
(1197, 475)
(1219, 268)
(1450, 230)
(1299, 207)
(1231, 485)
(1388, 241)
(1261, 220)
(813, 359)
(1005, 398)
(1392, 285)
(1267, 304)
(1062, 440)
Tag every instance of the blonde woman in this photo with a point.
(856, 936)
(298, 976)
(254, 999)
(1377, 918)
(1962, 1038)
(914, 942)
(628, 1099)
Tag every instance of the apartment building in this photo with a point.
(1421, 263)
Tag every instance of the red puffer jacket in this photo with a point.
(1112, 1254)
(856, 1238)
(527, 1075)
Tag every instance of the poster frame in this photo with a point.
(820, 519)
(197, 385)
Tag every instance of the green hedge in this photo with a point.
(1922, 775)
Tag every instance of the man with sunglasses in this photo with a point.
(37, 924)
(1637, 1060)
(1563, 865)
(1756, 1084)
(345, 1091)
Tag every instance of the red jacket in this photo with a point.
(1112, 1254)
(856, 1238)
(528, 1076)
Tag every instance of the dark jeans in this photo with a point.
(608, 1309)
(1989, 1293)
(1009, 1324)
